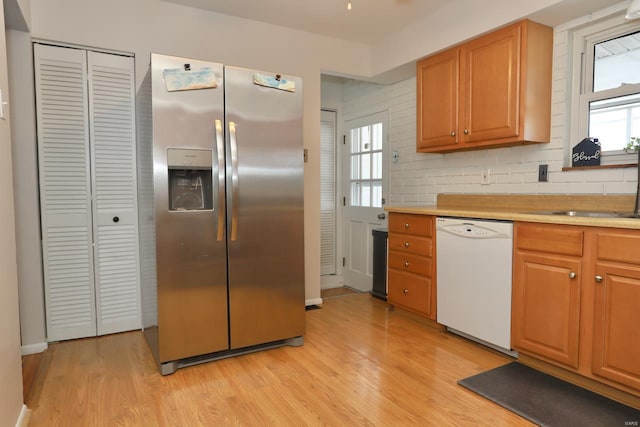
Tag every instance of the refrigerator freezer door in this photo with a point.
(264, 209)
(191, 255)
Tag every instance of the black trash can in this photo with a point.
(380, 263)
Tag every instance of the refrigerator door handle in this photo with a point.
(221, 170)
(234, 181)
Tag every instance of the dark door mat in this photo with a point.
(548, 401)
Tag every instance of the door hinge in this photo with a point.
(344, 261)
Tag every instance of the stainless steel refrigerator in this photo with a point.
(220, 164)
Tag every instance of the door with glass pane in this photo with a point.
(364, 193)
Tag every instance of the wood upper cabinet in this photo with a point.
(494, 90)
(546, 293)
(438, 95)
(411, 282)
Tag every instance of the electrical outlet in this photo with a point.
(485, 177)
(543, 173)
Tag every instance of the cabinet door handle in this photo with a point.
(466, 131)
(406, 264)
(407, 244)
(572, 275)
(598, 279)
(405, 291)
(407, 225)
(453, 133)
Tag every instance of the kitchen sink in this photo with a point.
(589, 214)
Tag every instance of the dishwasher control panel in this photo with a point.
(474, 228)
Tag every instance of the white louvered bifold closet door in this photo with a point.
(86, 145)
(328, 192)
(65, 193)
(112, 135)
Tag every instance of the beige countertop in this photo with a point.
(520, 208)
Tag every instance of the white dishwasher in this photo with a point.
(474, 265)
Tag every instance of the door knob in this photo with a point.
(381, 216)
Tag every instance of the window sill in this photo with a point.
(581, 168)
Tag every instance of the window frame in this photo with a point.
(360, 155)
(584, 40)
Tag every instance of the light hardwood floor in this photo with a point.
(361, 364)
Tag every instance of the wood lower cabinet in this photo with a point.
(546, 302)
(494, 90)
(411, 282)
(616, 320)
(576, 296)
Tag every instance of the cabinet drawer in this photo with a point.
(411, 244)
(410, 263)
(409, 290)
(558, 239)
(619, 246)
(419, 225)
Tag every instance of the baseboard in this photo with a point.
(34, 348)
(23, 418)
(313, 301)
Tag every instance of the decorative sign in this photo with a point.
(586, 153)
(276, 82)
(177, 79)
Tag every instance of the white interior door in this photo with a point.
(365, 191)
(328, 191)
(65, 191)
(112, 132)
(86, 152)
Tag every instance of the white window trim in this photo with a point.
(583, 40)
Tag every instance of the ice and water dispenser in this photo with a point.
(190, 179)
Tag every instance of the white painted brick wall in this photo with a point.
(417, 178)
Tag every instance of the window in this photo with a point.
(366, 165)
(606, 91)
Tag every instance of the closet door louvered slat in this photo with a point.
(112, 130)
(63, 151)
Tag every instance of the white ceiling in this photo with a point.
(369, 21)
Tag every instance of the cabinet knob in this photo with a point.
(598, 279)
(407, 244)
(453, 133)
(405, 291)
(407, 225)
(116, 219)
(572, 275)
(466, 131)
(406, 264)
